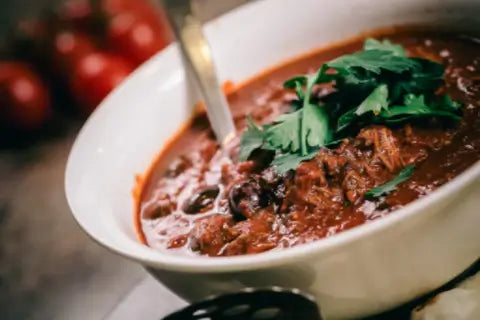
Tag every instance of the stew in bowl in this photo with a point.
(332, 140)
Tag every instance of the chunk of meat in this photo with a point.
(252, 235)
(385, 146)
(210, 234)
(164, 205)
(323, 198)
(355, 185)
(308, 174)
(208, 150)
(333, 163)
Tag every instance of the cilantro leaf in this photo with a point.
(346, 119)
(251, 139)
(313, 121)
(427, 78)
(375, 102)
(385, 45)
(391, 185)
(290, 161)
(316, 124)
(373, 61)
(292, 83)
(411, 99)
(415, 106)
(299, 91)
(284, 135)
(304, 80)
(296, 83)
(445, 102)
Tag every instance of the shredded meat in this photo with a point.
(349, 171)
(163, 206)
(355, 185)
(209, 234)
(252, 235)
(309, 174)
(385, 146)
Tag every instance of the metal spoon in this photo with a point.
(188, 30)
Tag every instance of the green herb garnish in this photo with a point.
(375, 102)
(414, 107)
(379, 85)
(385, 45)
(286, 162)
(252, 139)
(373, 61)
(391, 185)
(284, 135)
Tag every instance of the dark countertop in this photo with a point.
(49, 269)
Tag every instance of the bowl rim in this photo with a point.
(273, 258)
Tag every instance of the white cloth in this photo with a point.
(460, 303)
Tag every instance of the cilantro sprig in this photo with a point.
(391, 185)
(378, 85)
(252, 139)
(308, 127)
(385, 45)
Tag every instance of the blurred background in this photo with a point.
(58, 60)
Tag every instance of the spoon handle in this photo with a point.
(188, 30)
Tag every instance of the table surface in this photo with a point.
(49, 269)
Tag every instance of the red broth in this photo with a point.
(205, 202)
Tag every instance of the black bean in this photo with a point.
(244, 198)
(201, 199)
(262, 158)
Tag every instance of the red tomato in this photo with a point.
(68, 48)
(24, 99)
(95, 75)
(136, 38)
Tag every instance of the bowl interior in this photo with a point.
(125, 133)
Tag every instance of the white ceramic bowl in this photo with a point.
(356, 273)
